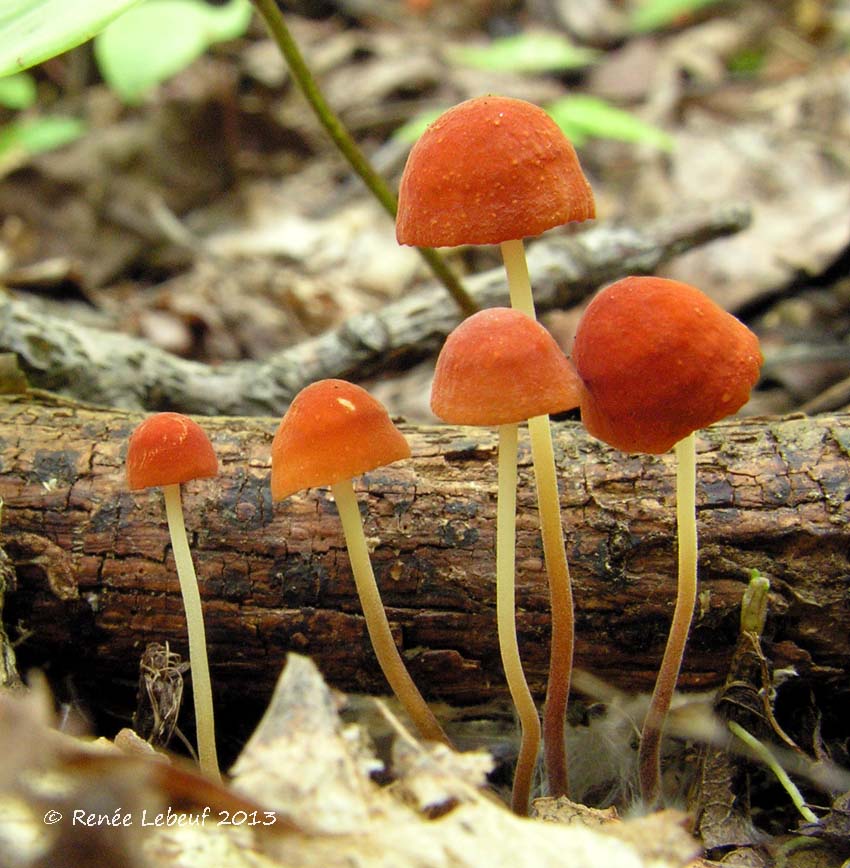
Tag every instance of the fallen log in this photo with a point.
(94, 580)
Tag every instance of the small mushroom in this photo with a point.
(332, 432)
(658, 360)
(492, 170)
(500, 367)
(495, 170)
(489, 170)
(164, 451)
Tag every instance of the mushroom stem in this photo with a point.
(554, 553)
(519, 283)
(506, 620)
(649, 755)
(377, 624)
(201, 687)
(561, 604)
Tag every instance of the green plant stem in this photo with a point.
(649, 754)
(506, 620)
(377, 624)
(346, 145)
(764, 754)
(201, 687)
(554, 553)
(754, 604)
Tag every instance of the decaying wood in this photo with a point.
(94, 570)
(9, 677)
(116, 370)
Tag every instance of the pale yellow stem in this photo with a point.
(519, 284)
(649, 756)
(377, 624)
(554, 553)
(506, 620)
(201, 687)
(561, 603)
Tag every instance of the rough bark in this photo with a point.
(94, 572)
(120, 371)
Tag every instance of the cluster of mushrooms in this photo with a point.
(495, 170)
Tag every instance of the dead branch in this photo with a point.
(121, 371)
(94, 572)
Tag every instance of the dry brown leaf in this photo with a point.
(306, 776)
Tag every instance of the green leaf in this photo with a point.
(227, 22)
(37, 135)
(747, 62)
(417, 125)
(655, 14)
(575, 133)
(35, 30)
(18, 91)
(160, 38)
(592, 117)
(526, 52)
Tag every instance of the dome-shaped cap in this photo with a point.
(333, 430)
(168, 449)
(659, 359)
(491, 169)
(500, 366)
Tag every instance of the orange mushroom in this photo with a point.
(495, 170)
(659, 360)
(500, 367)
(164, 451)
(332, 432)
(489, 170)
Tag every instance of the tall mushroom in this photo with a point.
(659, 360)
(164, 451)
(332, 432)
(500, 367)
(495, 170)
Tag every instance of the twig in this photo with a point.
(120, 371)
(346, 145)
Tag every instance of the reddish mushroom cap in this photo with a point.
(332, 431)
(658, 359)
(168, 449)
(500, 366)
(491, 169)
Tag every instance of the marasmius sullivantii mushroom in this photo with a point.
(166, 450)
(499, 367)
(658, 360)
(333, 431)
(496, 170)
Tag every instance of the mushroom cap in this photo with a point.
(491, 169)
(168, 449)
(659, 359)
(333, 430)
(500, 366)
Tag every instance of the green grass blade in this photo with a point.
(655, 14)
(582, 117)
(525, 52)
